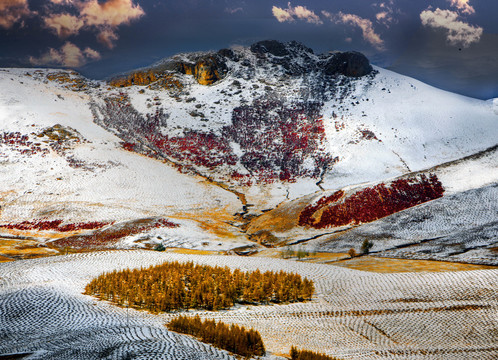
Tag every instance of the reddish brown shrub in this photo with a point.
(371, 203)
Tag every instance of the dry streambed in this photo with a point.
(353, 315)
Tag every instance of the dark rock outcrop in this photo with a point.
(349, 63)
(273, 47)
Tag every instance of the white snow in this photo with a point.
(123, 185)
(419, 126)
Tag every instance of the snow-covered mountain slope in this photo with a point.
(461, 225)
(56, 163)
(417, 127)
(206, 138)
(279, 112)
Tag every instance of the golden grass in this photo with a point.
(318, 257)
(283, 218)
(387, 265)
(192, 251)
(324, 257)
(23, 249)
(215, 222)
(5, 259)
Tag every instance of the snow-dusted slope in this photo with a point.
(417, 127)
(353, 315)
(375, 127)
(279, 123)
(82, 174)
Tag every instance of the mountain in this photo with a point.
(198, 150)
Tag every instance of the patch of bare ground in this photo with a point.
(192, 251)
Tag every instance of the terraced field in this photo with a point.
(353, 315)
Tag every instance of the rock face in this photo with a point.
(206, 69)
(209, 69)
(349, 63)
(273, 47)
(292, 57)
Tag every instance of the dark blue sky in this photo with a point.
(452, 44)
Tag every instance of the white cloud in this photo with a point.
(69, 55)
(457, 32)
(282, 15)
(365, 25)
(12, 11)
(304, 14)
(104, 17)
(107, 37)
(64, 25)
(299, 12)
(463, 6)
(91, 54)
(110, 13)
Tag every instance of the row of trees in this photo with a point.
(308, 355)
(175, 285)
(233, 338)
(372, 203)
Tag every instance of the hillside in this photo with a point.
(208, 141)
(265, 158)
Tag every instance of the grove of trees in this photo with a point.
(308, 355)
(233, 338)
(174, 285)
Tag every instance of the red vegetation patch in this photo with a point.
(21, 143)
(196, 148)
(56, 225)
(371, 203)
(128, 146)
(107, 237)
(278, 139)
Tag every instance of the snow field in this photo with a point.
(114, 185)
(444, 127)
(353, 315)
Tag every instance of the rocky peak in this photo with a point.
(290, 59)
(349, 63)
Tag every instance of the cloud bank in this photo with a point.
(365, 25)
(292, 13)
(458, 33)
(104, 17)
(12, 11)
(69, 55)
(463, 6)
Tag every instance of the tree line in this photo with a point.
(174, 285)
(308, 355)
(233, 338)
